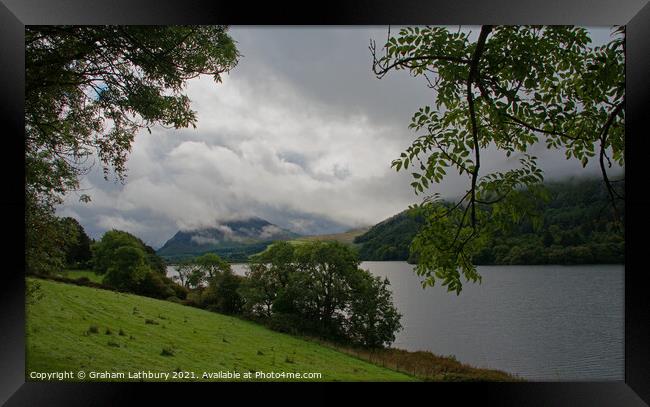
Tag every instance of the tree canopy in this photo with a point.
(88, 91)
(318, 288)
(212, 265)
(576, 229)
(77, 251)
(509, 88)
(104, 250)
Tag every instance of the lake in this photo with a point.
(543, 323)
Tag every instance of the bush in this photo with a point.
(290, 323)
(154, 285)
(191, 301)
(222, 295)
(180, 292)
(212, 308)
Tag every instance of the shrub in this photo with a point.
(212, 308)
(154, 285)
(222, 295)
(191, 303)
(291, 323)
(180, 292)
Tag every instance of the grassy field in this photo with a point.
(80, 328)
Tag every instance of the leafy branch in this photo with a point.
(511, 87)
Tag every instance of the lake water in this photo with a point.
(543, 323)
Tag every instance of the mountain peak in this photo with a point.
(238, 236)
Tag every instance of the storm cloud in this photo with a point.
(300, 133)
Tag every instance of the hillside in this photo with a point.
(344, 237)
(577, 229)
(347, 237)
(160, 336)
(233, 240)
(389, 239)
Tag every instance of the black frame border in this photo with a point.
(15, 14)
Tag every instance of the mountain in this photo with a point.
(577, 229)
(233, 240)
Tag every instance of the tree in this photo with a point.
(185, 270)
(212, 265)
(266, 288)
(46, 242)
(156, 262)
(223, 293)
(104, 250)
(128, 268)
(509, 88)
(77, 251)
(317, 288)
(259, 290)
(88, 91)
(196, 278)
(373, 319)
(325, 269)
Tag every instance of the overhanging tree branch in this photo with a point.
(473, 75)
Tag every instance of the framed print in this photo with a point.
(363, 192)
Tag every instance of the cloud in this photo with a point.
(300, 133)
(269, 231)
(203, 240)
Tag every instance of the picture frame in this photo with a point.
(635, 14)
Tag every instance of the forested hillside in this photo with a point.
(389, 239)
(577, 229)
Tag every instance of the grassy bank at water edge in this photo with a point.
(72, 328)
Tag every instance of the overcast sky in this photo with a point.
(300, 133)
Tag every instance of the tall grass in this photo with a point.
(421, 364)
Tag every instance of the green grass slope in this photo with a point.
(76, 328)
